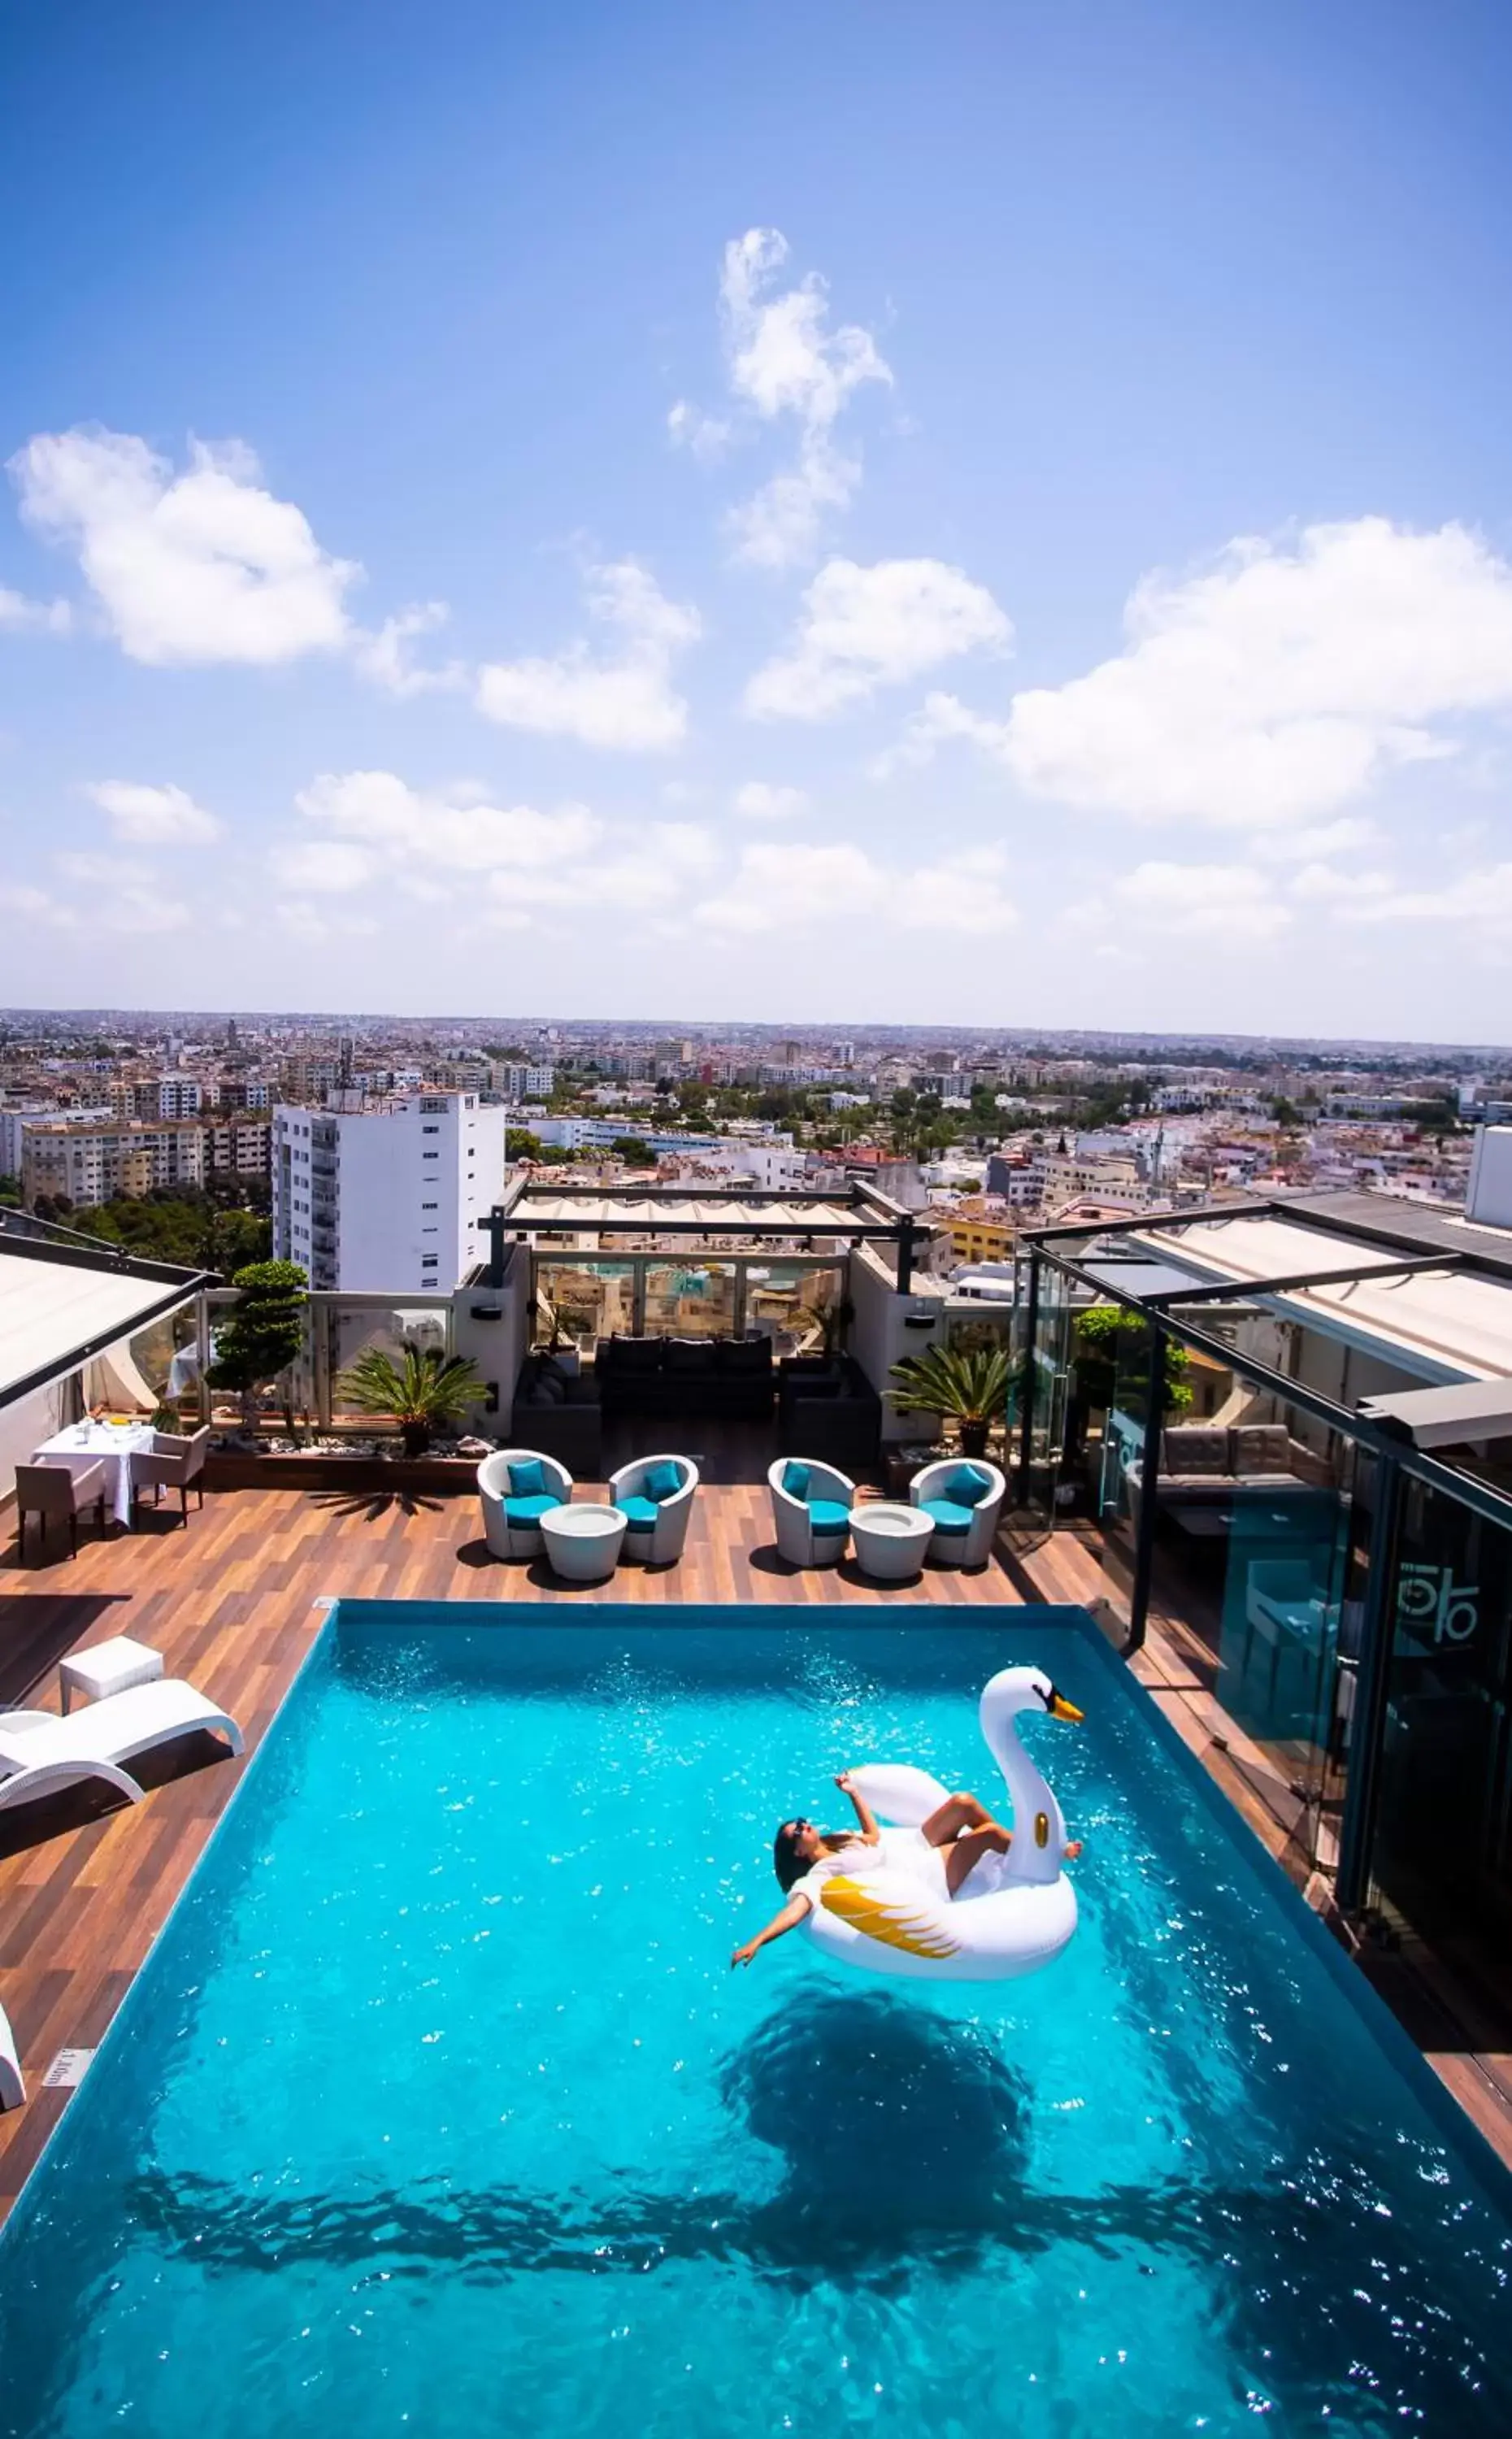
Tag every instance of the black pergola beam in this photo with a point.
(1244, 1290)
(1206, 1212)
(653, 1226)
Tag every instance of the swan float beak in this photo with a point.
(1061, 1709)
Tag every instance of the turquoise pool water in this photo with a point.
(437, 2109)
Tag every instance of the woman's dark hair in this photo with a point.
(788, 1864)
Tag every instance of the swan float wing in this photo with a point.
(911, 1924)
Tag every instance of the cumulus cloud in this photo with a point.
(623, 701)
(144, 816)
(1315, 839)
(420, 831)
(200, 566)
(21, 616)
(1213, 901)
(783, 361)
(760, 801)
(387, 658)
(1270, 687)
(124, 895)
(862, 628)
(788, 888)
(1477, 904)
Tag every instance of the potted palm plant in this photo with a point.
(967, 1385)
(424, 1393)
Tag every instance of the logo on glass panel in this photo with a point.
(1430, 1595)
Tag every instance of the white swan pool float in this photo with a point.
(1013, 1913)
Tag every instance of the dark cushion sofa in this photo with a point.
(827, 1408)
(730, 1377)
(559, 1416)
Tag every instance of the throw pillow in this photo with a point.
(795, 1481)
(527, 1477)
(967, 1486)
(662, 1481)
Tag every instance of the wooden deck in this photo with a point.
(231, 1604)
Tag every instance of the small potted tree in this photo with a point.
(263, 1333)
(424, 1393)
(967, 1385)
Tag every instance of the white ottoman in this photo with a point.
(107, 1668)
(889, 1540)
(583, 1542)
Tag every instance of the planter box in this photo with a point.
(326, 1469)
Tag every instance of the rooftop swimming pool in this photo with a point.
(437, 2107)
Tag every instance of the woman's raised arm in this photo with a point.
(864, 1811)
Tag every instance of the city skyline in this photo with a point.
(470, 534)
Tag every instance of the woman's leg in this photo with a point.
(968, 1849)
(956, 1813)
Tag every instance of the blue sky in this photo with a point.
(992, 514)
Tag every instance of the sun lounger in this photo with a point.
(41, 1753)
(13, 2090)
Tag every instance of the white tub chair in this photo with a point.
(511, 1518)
(13, 2088)
(964, 1525)
(812, 1520)
(656, 1515)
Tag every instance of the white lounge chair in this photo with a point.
(13, 2090)
(39, 1752)
(813, 1524)
(512, 1519)
(966, 1515)
(656, 1518)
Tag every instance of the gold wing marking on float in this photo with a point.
(891, 1925)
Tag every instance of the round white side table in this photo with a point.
(889, 1540)
(583, 1542)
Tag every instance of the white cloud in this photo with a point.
(200, 566)
(783, 359)
(426, 831)
(124, 895)
(760, 801)
(1213, 901)
(1325, 884)
(780, 525)
(20, 616)
(36, 905)
(1478, 905)
(792, 888)
(329, 868)
(706, 436)
(627, 702)
(866, 627)
(647, 875)
(1270, 687)
(144, 816)
(1315, 839)
(385, 657)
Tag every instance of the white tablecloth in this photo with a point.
(107, 1444)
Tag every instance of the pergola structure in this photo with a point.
(856, 1216)
(1441, 1284)
(63, 1303)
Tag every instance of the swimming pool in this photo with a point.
(437, 2109)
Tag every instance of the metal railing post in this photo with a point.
(1368, 1723)
(1026, 1410)
(1148, 1477)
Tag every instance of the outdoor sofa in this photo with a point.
(1216, 1465)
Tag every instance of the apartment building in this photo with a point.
(90, 1164)
(157, 1097)
(386, 1194)
(521, 1083)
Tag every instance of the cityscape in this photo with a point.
(755, 1221)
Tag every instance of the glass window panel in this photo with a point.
(800, 1305)
(689, 1298)
(579, 1303)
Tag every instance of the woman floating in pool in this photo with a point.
(961, 1829)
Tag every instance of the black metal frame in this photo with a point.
(896, 1227)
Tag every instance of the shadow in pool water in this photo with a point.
(903, 2146)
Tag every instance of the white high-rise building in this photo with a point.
(387, 1196)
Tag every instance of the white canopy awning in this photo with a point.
(60, 1305)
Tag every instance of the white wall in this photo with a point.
(497, 1347)
(1489, 1198)
(879, 1338)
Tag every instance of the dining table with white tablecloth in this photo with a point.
(112, 1445)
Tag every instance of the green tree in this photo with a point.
(263, 1333)
(424, 1393)
(633, 1151)
(520, 1144)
